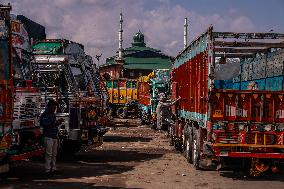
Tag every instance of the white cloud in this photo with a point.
(94, 23)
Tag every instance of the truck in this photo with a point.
(149, 89)
(222, 119)
(20, 134)
(64, 72)
(122, 97)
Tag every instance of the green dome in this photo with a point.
(138, 39)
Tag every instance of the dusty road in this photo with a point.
(133, 156)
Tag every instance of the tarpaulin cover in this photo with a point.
(35, 30)
(47, 48)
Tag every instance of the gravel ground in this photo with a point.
(132, 156)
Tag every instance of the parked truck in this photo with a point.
(149, 89)
(20, 134)
(122, 97)
(220, 120)
(64, 72)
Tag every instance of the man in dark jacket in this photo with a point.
(163, 110)
(50, 131)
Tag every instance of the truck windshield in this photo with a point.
(79, 77)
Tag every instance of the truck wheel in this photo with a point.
(171, 135)
(121, 112)
(188, 145)
(196, 148)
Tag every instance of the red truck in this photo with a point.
(20, 134)
(221, 120)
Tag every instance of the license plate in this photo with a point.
(218, 113)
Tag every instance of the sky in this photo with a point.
(95, 23)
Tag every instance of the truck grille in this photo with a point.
(26, 109)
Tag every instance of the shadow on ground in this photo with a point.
(115, 138)
(85, 166)
(111, 156)
(240, 174)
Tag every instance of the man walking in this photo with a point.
(50, 131)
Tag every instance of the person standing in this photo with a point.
(163, 110)
(50, 132)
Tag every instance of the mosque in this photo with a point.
(134, 61)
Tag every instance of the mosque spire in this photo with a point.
(120, 49)
(185, 35)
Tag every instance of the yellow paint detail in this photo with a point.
(134, 94)
(115, 96)
(129, 94)
(122, 95)
(110, 95)
(255, 138)
(218, 113)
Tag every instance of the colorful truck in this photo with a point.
(20, 134)
(65, 73)
(122, 97)
(149, 89)
(219, 120)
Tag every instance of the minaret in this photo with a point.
(120, 49)
(185, 33)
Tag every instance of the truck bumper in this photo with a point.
(251, 155)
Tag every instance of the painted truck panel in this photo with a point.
(246, 116)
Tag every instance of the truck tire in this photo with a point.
(171, 135)
(188, 145)
(121, 112)
(196, 148)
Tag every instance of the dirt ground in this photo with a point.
(132, 156)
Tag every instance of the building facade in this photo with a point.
(136, 61)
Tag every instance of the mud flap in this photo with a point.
(208, 159)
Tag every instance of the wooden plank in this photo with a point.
(235, 55)
(248, 35)
(248, 44)
(234, 50)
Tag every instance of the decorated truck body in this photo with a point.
(122, 97)
(235, 117)
(149, 89)
(65, 73)
(20, 134)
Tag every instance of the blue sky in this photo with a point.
(264, 13)
(94, 23)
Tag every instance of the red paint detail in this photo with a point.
(27, 155)
(253, 155)
(143, 93)
(192, 79)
